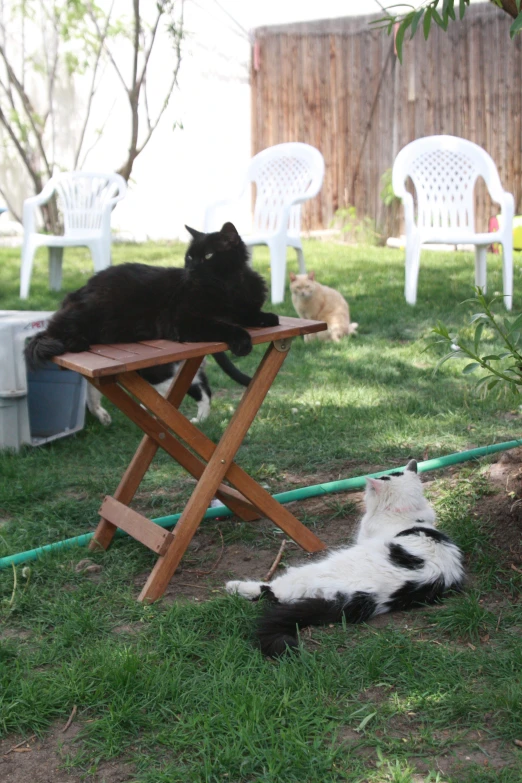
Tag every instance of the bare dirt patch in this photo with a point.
(35, 760)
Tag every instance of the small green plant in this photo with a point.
(504, 367)
(387, 193)
(355, 229)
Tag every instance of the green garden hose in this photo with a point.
(344, 485)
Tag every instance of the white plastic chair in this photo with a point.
(444, 170)
(86, 201)
(285, 176)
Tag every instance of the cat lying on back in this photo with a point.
(321, 303)
(399, 560)
(212, 299)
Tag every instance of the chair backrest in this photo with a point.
(444, 170)
(282, 174)
(86, 198)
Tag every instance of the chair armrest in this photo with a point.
(30, 204)
(409, 214)
(507, 213)
(507, 205)
(208, 220)
(122, 191)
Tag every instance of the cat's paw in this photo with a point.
(101, 414)
(241, 345)
(268, 319)
(250, 590)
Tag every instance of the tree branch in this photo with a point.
(32, 173)
(114, 64)
(26, 102)
(151, 44)
(10, 207)
(152, 127)
(93, 88)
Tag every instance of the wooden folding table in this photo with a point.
(113, 370)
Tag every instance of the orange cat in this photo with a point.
(321, 303)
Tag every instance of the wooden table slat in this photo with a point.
(117, 358)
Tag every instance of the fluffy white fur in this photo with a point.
(387, 567)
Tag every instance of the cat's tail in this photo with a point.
(231, 370)
(41, 348)
(278, 626)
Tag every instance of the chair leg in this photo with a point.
(55, 268)
(28, 250)
(278, 270)
(480, 267)
(507, 273)
(300, 260)
(413, 251)
(101, 255)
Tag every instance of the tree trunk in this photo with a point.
(509, 6)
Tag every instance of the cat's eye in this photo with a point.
(208, 256)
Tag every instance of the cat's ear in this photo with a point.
(193, 233)
(311, 275)
(229, 231)
(293, 277)
(412, 465)
(374, 484)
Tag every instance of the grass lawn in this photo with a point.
(175, 691)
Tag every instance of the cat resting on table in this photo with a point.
(399, 560)
(213, 298)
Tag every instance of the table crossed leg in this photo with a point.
(250, 500)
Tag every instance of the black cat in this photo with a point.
(213, 298)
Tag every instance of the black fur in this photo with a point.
(436, 535)
(277, 628)
(211, 299)
(404, 559)
(268, 594)
(413, 594)
(230, 369)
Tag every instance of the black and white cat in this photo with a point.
(399, 560)
(161, 377)
(213, 298)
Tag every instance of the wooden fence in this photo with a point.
(338, 85)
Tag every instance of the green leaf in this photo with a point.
(417, 16)
(491, 358)
(515, 337)
(517, 322)
(365, 721)
(477, 316)
(452, 355)
(462, 8)
(438, 19)
(493, 383)
(427, 22)
(518, 5)
(516, 26)
(478, 335)
(400, 36)
(470, 368)
(448, 9)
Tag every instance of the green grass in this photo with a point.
(177, 688)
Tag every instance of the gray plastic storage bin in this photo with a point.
(39, 406)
